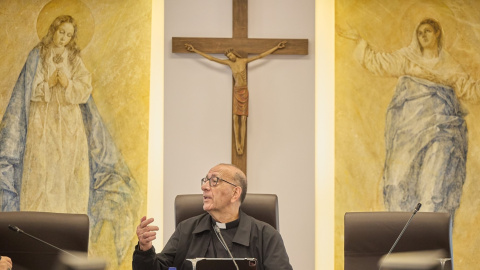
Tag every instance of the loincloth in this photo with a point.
(240, 100)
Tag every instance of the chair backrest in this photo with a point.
(370, 235)
(66, 231)
(263, 207)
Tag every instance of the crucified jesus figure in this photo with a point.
(238, 65)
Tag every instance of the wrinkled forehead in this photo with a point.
(222, 171)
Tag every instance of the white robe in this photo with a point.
(56, 162)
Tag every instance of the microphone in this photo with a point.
(18, 230)
(417, 208)
(224, 244)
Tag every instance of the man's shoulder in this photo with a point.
(194, 218)
(260, 225)
(200, 221)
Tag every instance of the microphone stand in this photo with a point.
(417, 208)
(18, 230)
(224, 244)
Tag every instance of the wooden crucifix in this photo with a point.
(243, 46)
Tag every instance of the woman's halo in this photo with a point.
(75, 8)
(421, 10)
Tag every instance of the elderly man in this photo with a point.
(224, 189)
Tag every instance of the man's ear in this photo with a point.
(237, 192)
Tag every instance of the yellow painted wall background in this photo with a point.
(116, 50)
(361, 101)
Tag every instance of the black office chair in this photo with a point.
(370, 235)
(263, 207)
(66, 231)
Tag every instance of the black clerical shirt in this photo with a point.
(192, 238)
(228, 230)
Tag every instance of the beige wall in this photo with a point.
(299, 240)
(197, 115)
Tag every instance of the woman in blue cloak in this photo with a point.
(56, 154)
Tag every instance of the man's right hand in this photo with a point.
(146, 233)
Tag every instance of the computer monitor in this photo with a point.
(223, 263)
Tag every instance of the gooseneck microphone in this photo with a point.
(417, 208)
(224, 244)
(18, 230)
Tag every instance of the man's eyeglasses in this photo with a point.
(213, 181)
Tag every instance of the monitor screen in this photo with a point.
(223, 263)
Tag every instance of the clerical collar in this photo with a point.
(229, 225)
